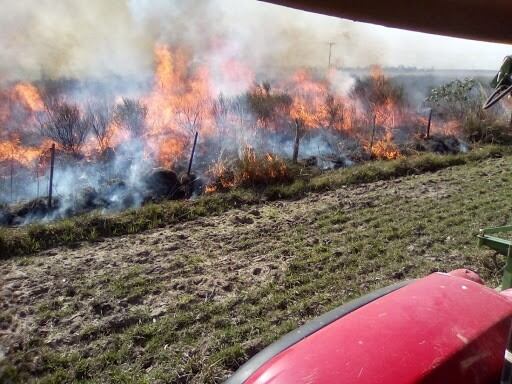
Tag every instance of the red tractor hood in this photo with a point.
(440, 329)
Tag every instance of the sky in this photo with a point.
(395, 47)
(68, 38)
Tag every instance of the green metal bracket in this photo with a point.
(501, 246)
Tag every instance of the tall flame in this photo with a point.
(29, 94)
(184, 98)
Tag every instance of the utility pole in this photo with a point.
(373, 134)
(192, 154)
(429, 124)
(37, 177)
(52, 163)
(297, 141)
(12, 175)
(331, 44)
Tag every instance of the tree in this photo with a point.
(377, 90)
(99, 117)
(266, 105)
(62, 122)
(190, 116)
(333, 112)
(190, 113)
(454, 99)
(131, 114)
(461, 101)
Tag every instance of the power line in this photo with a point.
(331, 44)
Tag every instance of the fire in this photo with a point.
(223, 178)
(450, 128)
(181, 99)
(249, 132)
(308, 98)
(170, 151)
(29, 94)
(384, 150)
(177, 105)
(251, 170)
(164, 74)
(14, 151)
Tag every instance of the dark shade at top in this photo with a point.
(487, 20)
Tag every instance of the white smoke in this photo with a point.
(113, 41)
(75, 38)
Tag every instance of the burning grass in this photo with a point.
(95, 226)
(385, 150)
(252, 170)
(122, 138)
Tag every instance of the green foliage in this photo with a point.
(455, 98)
(461, 101)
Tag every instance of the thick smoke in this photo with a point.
(99, 38)
(176, 58)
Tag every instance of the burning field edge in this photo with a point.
(95, 226)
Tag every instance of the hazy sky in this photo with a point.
(104, 37)
(394, 47)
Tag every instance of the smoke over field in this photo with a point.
(242, 112)
(121, 88)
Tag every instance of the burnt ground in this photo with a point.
(193, 301)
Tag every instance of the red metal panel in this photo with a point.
(440, 329)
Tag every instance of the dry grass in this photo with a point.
(95, 226)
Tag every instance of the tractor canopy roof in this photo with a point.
(473, 19)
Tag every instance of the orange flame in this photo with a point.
(30, 96)
(13, 150)
(181, 102)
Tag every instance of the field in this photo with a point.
(189, 291)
